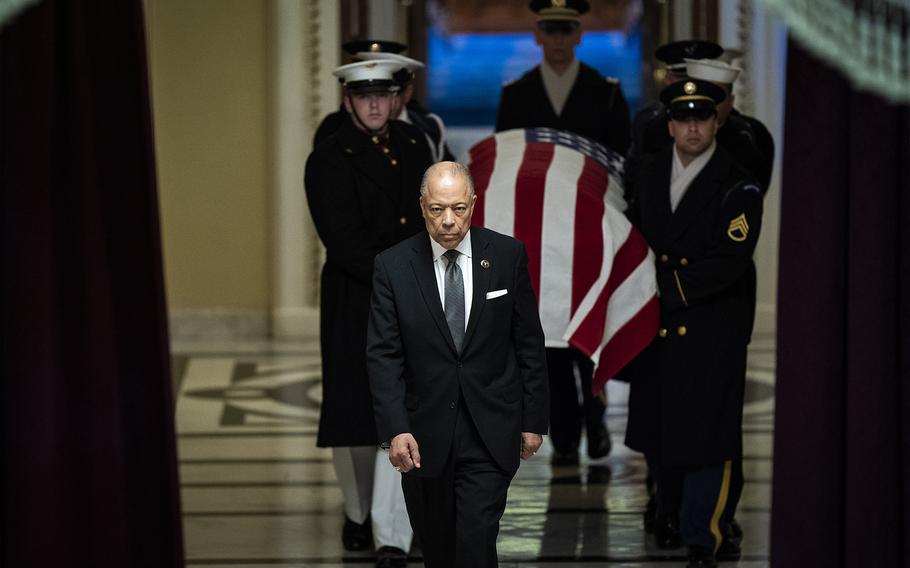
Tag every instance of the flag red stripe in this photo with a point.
(589, 335)
(588, 247)
(529, 193)
(483, 160)
(627, 343)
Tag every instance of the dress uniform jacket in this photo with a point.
(595, 108)
(686, 394)
(361, 204)
(745, 138)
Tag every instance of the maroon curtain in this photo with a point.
(89, 461)
(842, 431)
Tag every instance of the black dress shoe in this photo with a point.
(666, 533)
(564, 458)
(701, 557)
(599, 444)
(391, 557)
(729, 550)
(355, 536)
(735, 531)
(650, 514)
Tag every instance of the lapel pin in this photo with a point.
(485, 263)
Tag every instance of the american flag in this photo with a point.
(561, 195)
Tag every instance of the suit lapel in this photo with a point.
(480, 251)
(705, 185)
(422, 265)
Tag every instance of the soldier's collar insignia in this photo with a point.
(738, 229)
(485, 263)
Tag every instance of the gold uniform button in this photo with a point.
(664, 258)
(385, 150)
(662, 332)
(683, 262)
(682, 330)
(403, 220)
(394, 162)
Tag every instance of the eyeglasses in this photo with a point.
(437, 210)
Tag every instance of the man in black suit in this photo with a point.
(562, 92)
(701, 214)
(362, 188)
(455, 353)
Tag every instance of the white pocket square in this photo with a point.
(496, 294)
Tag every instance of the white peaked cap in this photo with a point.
(367, 72)
(412, 65)
(713, 70)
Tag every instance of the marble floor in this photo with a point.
(258, 493)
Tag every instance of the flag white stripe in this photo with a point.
(499, 199)
(557, 241)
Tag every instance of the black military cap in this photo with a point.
(373, 45)
(693, 98)
(559, 10)
(673, 53)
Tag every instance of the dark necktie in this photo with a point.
(454, 292)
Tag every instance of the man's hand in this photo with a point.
(403, 453)
(530, 443)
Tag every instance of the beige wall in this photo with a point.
(209, 80)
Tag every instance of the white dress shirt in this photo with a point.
(682, 176)
(558, 86)
(467, 272)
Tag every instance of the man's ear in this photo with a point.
(346, 99)
(537, 32)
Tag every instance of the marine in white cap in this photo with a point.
(409, 109)
(362, 184)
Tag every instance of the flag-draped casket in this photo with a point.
(593, 272)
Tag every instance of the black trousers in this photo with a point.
(457, 514)
(566, 415)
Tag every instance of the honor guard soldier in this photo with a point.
(701, 214)
(745, 138)
(410, 110)
(649, 133)
(363, 187)
(562, 92)
(566, 94)
(333, 121)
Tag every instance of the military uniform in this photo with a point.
(361, 204)
(595, 108)
(686, 388)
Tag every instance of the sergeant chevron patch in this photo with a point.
(738, 229)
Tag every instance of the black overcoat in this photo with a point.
(595, 108)
(361, 205)
(686, 388)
